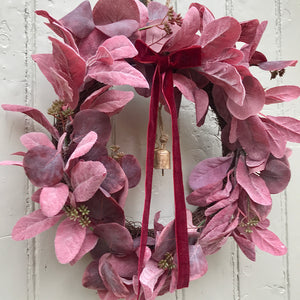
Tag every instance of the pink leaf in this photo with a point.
(90, 99)
(11, 163)
(35, 115)
(123, 27)
(209, 171)
(149, 277)
(60, 84)
(198, 263)
(59, 29)
(89, 243)
(33, 139)
(228, 78)
(219, 34)
(68, 240)
(119, 73)
(117, 237)
(120, 47)
(206, 15)
(186, 35)
(52, 199)
(276, 142)
(277, 65)
(102, 55)
(248, 31)
(70, 66)
(60, 143)
(43, 166)
(253, 185)
(267, 241)
(86, 178)
(112, 102)
(288, 127)
(36, 195)
(83, 147)
(31, 225)
(283, 93)
(253, 102)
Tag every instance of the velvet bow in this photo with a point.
(166, 64)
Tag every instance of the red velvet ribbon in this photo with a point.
(166, 64)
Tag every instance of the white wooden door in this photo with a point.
(30, 271)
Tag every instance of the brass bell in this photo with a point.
(162, 158)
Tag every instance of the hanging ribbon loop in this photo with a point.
(162, 82)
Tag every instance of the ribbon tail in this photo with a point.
(182, 247)
(151, 137)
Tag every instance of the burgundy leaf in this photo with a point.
(253, 138)
(84, 146)
(117, 237)
(89, 243)
(126, 266)
(111, 278)
(91, 277)
(253, 185)
(119, 73)
(132, 169)
(86, 178)
(106, 11)
(248, 31)
(35, 115)
(209, 171)
(267, 241)
(91, 120)
(205, 194)
(247, 247)
(43, 166)
(31, 225)
(276, 175)
(283, 93)
(105, 210)
(33, 139)
(198, 263)
(36, 195)
(115, 178)
(69, 238)
(52, 199)
(80, 20)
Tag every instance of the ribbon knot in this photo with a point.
(166, 64)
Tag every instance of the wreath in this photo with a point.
(82, 183)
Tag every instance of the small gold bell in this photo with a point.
(162, 158)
